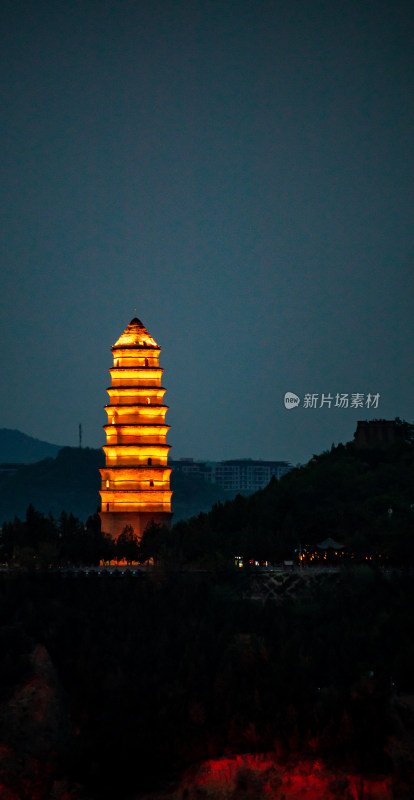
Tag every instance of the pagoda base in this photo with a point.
(114, 522)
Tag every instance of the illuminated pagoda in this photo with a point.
(136, 479)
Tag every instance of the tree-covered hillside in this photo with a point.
(362, 498)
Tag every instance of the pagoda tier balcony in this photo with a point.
(135, 486)
(136, 434)
(136, 415)
(148, 508)
(136, 376)
(136, 360)
(136, 395)
(145, 428)
(120, 474)
(145, 350)
(136, 454)
(135, 501)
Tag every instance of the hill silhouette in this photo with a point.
(19, 448)
(69, 482)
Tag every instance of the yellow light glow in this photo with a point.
(135, 335)
(136, 430)
(133, 509)
(153, 500)
(136, 373)
(131, 497)
(136, 361)
(134, 474)
(128, 340)
(128, 440)
(136, 353)
(138, 393)
(138, 450)
(125, 413)
(136, 486)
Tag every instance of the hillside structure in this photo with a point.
(376, 434)
(135, 486)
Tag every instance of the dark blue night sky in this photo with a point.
(240, 173)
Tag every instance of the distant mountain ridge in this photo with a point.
(19, 448)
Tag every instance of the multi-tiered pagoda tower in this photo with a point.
(136, 480)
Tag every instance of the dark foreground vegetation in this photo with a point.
(111, 686)
(138, 677)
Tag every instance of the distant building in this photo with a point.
(187, 465)
(376, 433)
(244, 474)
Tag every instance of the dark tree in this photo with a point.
(127, 545)
(154, 543)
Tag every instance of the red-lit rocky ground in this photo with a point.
(250, 777)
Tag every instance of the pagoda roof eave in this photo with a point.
(157, 388)
(147, 467)
(142, 445)
(135, 405)
(135, 347)
(122, 369)
(135, 425)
